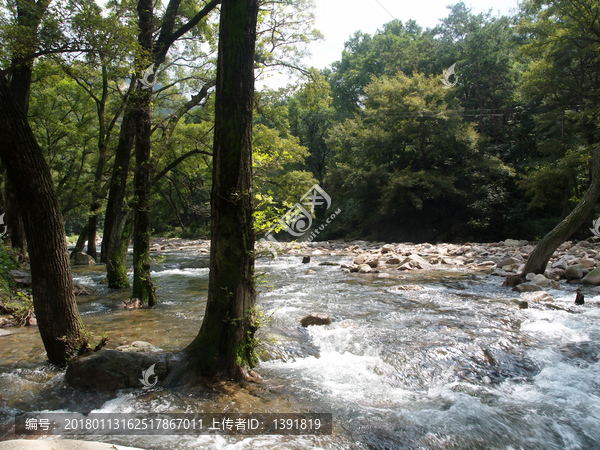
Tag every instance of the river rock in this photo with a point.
(414, 262)
(362, 258)
(4, 332)
(393, 261)
(592, 278)
(587, 263)
(539, 297)
(409, 287)
(83, 259)
(387, 248)
(20, 276)
(560, 264)
(109, 370)
(139, 347)
(511, 243)
(574, 273)
(384, 275)
(555, 274)
(541, 281)
(305, 259)
(364, 268)
(315, 319)
(200, 263)
(527, 287)
(507, 262)
(133, 303)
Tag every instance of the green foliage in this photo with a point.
(248, 349)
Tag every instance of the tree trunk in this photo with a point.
(225, 344)
(29, 15)
(142, 283)
(80, 240)
(116, 271)
(58, 319)
(118, 184)
(14, 222)
(541, 254)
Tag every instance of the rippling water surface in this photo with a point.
(454, 364)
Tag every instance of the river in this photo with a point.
(453, 363)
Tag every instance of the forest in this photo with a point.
(128, 123)
(503, 153)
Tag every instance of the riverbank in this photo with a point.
(570, 263)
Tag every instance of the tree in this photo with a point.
(224, 344)
(59, 322)
(563, 39)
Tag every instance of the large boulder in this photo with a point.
(315, 319)
(592, 278)
(83, 259)
(109, 370)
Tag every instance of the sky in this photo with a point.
(338, 20)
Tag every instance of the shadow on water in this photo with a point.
(450, 363)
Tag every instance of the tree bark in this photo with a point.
(117, 272)
(118, 184)
(59, 322)
(80, 240)
(224, 345)
(541, 254)
(142, 282)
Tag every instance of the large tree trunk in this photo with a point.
(58, 319)
(29, 15)
(541, 254)
(142, 282)
(224, 346)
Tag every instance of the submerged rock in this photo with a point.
(109, 370)
(133, 303)
(527, 287)
(315, 319)
(139, 347)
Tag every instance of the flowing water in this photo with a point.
(454, 364)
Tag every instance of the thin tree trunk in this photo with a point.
(541, 254)
(224, 346)
(59, 322)
(116, 270)
(80, 241)
(118, 183)
(142, 282)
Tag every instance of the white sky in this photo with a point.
(340, 19)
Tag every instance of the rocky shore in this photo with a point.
(574, 262)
